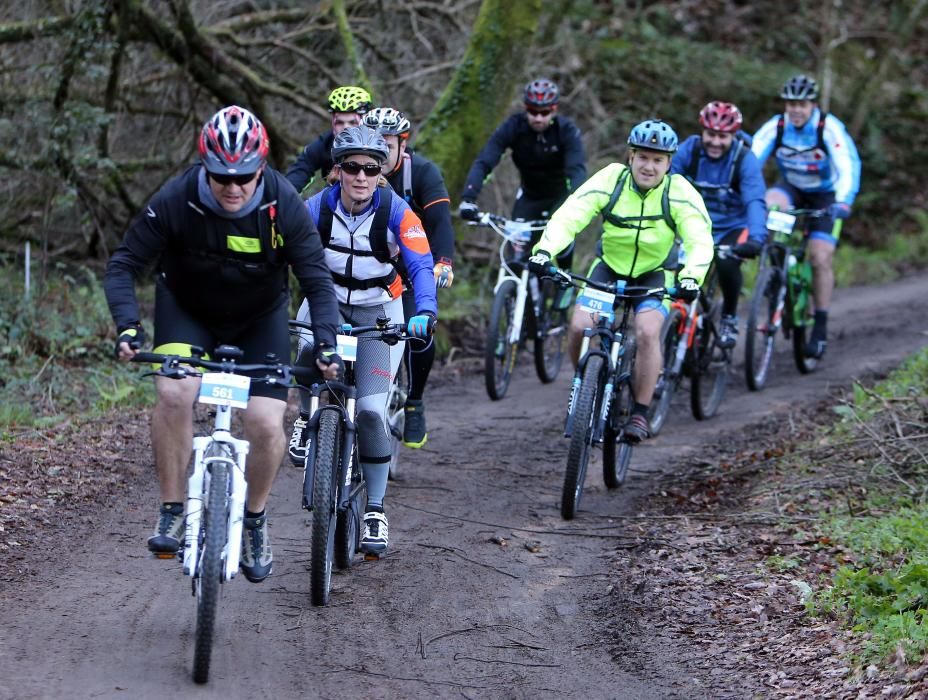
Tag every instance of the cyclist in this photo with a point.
(548, 152)
(819, 169)
(721, 166)
(418, 181)
(222, 235)
(644, 210)
(347, 104)
(364, 229)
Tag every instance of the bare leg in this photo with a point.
(172, 434)
(648, 357)
(821, 254)
(579, 322)
(264, 420)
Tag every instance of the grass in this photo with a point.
(882, 589)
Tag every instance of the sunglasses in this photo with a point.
(226, 180)
(539, 112)
(353, 168)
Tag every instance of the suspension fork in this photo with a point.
(518, 314)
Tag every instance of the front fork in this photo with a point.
(346, 464)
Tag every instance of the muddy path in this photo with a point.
(485, 592)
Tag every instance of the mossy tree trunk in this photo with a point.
(480, 92)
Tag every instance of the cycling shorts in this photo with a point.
(823, 228)
(601, 272)
(176, 330)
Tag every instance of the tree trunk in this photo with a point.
(480, 93)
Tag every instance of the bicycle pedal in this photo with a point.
(372, 556)
(165, 555)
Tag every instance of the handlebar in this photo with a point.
(172, 367)
(389, 333)
(620, 288)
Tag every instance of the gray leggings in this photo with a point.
(374, 371)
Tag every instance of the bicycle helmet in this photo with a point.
(653, 135)
(388, 121)
(800, 87)
(541, 93)
(233, 142)
(349, 98)
(721, 116)
(359, 140)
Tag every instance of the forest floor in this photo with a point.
(662, 588)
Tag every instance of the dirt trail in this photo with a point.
(486, 592)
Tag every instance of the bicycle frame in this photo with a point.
(787, 253)
(198, 486)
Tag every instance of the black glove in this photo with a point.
(326, 355)
(687, 289)
(468, 211)
(748, 249)
(133, 334)
(540, 262)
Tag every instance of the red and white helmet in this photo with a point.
(541, 93)
(721, 116)
(233, 142)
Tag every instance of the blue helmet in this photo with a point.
(653, 135)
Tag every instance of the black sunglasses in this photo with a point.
(539, 112)
(353, 168)
(225, 180)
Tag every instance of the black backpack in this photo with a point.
(819, 133)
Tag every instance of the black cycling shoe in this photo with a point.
(815, 349)
(257, 559)
(636, 430)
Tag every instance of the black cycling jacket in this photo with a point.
(224, 272)
(551, 164)
(316, 156)
(430, 201)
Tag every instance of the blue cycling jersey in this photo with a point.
(807, 167)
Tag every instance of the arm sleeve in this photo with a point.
(488, 158)
(414, 249)
(764, 140)
(574, 158)
(578, 210)
(303, 251)
(143, 244)
(310, 161)
(432, 198)
(681, 158)
(693, 226)
(753, 191)
(846, 160)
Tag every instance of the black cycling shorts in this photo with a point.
(824, 224)
(176, 330)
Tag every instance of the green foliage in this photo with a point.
(55, 349)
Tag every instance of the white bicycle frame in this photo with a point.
(198, 490)
(517, 234)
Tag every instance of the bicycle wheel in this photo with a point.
(617, 453)
(500, 354)
(762, 328)
(666, 383)
(396, 417)
(798, 307)
(212, 541)
(325, 494)
(348, 521)
(581, 440)
(550, 334)
(710, 362)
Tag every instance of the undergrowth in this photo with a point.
(881, 589)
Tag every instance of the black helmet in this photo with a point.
(541, 93)
(359, 140)
(800, 87)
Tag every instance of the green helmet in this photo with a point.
(350, 98)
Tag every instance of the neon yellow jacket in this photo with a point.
(644, 240)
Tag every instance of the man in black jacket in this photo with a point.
(222, 235)
(348, 104)
(546, 149)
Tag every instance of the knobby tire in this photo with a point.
(581, 440)
(616, 452)
(761, 332)
(499, 353)
(710, 363)
(214, 528)
(328, 448)
(551, 334)
(348, 522)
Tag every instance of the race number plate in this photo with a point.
(597, 302)
(225, 389)
(347, 347)
(780, 221)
